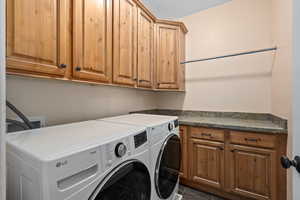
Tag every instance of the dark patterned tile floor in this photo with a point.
(191, 194)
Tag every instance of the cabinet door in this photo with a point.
(125, 42)
(167, 55)
(93, 40)
(38, 37)
(145, 50)
(184, 154)
(253, 172)
(207, 162)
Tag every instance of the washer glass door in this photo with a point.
(129, 181)
(168, 166)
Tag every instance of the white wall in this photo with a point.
(64, 102)
(2, 102)
(281, 95)
(241, 84)
(282, 70)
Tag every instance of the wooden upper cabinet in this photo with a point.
(207, 162)
(125, 42)
(167, 56)
(39, 37)
(117, 42)
(93, 40)
(145, 49)
(253, 172)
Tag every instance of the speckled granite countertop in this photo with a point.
(251, 122)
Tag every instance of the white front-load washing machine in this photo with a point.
(165, 151)
(93, 160)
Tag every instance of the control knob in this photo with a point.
(120, 150)
(170, 126)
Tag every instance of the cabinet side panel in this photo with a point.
(182, 58)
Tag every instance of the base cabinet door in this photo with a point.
(39, 37)
(207, 162)
(167, 56)
(253, 172)
(93, 40)
(125, 42)
(184, 154)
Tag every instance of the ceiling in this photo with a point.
(173, 9)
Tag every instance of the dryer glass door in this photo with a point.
(129, 181)
(168, 166)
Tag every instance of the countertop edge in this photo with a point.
(233, 127)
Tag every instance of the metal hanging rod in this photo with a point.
(231, 55)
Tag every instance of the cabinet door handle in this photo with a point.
(206, 134)
(62, 66)
(144, 81)
(252, 139)
(78, 69)
(287, 163)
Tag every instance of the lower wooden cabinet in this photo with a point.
(184, 155)
(207, 162)
(235, 165)
(252, 172)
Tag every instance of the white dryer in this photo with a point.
(165, 151)
(93, 160)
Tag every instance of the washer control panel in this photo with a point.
(113, 152)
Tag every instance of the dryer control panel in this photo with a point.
(159, 132)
